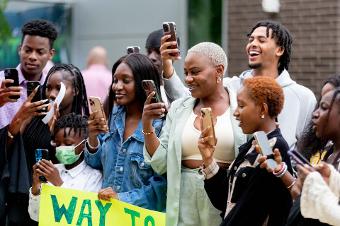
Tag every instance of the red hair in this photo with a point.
(263, 89)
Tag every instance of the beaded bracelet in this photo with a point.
(90, 146)
(282, 171)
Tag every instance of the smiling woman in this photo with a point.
(176, 152)
(120, 154)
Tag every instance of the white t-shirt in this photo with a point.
(82, 177)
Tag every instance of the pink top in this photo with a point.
(8, 111)
(97, 81)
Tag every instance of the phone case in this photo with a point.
(132, 49)
(12, 73)
(39, 155)
(149, 86)
(96, 106)
(207, 121)
(170, 28)
(299, 158)
(262, 141)
(31, 85)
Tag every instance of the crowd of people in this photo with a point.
(158, 155)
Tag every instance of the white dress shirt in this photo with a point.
(82, 177)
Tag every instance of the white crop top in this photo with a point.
(224, 151)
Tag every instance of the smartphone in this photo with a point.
(207, 121)
(299, 158)
(262, 141)
(39, 155)
(96, 106)
(170, 28)
(132, 49)
(12, 73)
(31, 85)
(149, 86)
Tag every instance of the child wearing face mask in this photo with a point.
(70, 134)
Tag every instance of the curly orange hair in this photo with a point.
(263, 89)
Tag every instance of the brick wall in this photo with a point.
(314, 25)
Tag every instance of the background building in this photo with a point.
(314, 24)
(315, 27)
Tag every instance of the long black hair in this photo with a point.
(142, 69)
(333, 80)
(79, 103)
(282, 37)
(309, 144)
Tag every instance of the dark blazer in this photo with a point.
(257, 193)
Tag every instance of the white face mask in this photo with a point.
(67, 154)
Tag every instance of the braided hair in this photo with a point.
(79, 103)
(75, 122)
(282, 37)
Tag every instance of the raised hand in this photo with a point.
(168, 55)
(96, 125)
(263, 159)
(107, 194)
(49, 171)
(207, 150)
(6, 92)
(325, 171)
(36, 183)
(152, 111)
(27, 111)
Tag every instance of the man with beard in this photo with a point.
(269, 50)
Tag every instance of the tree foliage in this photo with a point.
(5, 29)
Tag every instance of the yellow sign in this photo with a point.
(60, 206)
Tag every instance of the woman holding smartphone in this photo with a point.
(120, 153)
(176, 152)
(325, 130)
(248, 194)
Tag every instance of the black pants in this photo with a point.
(17, 207)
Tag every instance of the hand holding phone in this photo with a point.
(6, 93)
(12, 73)
(31, 85)
(39, 155)
(265, 149)
(96, 106)
(169, 28)
(208, 122)
(299, 158)
(149, 87)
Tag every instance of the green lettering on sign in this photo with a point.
(103, 210)
(88, 215)
(60, 211)
(133, 215)
(149, 219)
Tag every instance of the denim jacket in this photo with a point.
(123, 165)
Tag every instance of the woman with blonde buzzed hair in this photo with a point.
(176, 152)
